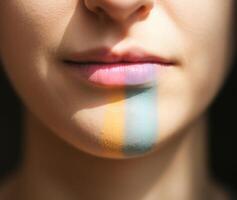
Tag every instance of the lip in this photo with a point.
(131, 67)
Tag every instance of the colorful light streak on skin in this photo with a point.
(141, 122)
(131, 121)
(113, 131)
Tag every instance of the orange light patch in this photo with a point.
(112, 137)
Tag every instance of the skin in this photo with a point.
(33, 43)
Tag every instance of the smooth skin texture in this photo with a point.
(64, 119)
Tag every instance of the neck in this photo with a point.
(52, 169)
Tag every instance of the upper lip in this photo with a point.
(105, 54)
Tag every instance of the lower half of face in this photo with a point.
(120, 122)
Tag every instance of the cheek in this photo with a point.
(186, 92)
(30, 26)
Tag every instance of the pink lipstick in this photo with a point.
(117, 74)
(102, 67)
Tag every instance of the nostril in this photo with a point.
(119, 10)
(99, 10)
(142, 11)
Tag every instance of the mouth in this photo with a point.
(103, 68)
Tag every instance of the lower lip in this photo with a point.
(116, 74)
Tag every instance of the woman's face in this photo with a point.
(37, 37)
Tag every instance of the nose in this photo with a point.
(120, 10)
